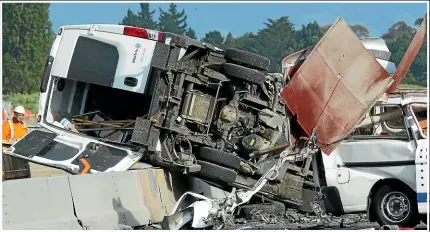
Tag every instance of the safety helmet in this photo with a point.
(19, 110)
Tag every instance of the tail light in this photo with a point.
(143, 33)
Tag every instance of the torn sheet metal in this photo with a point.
(336, 85)
(409, 56)
(200, 211)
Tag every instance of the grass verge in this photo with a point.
(29, 101)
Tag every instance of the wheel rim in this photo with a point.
(395, 207)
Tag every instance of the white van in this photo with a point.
(384, 170)
(113, 95)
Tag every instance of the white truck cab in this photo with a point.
(384, 171)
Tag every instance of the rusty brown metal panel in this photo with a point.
(409, 56)
(336, 85)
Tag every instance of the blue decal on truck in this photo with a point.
(421, 197)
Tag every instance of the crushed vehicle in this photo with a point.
(113, 96)
(326, 123)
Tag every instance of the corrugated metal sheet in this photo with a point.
(409, 56)
(336, 85)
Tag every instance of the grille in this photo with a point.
(199, 107)
(161, 56)
(141, 131)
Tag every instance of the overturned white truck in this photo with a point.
(116, 97)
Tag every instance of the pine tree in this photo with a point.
(146, 17)
(214, 37)
(276, 41)
(191, 33)
(27, 38)
(172, 20)
(229, 41)
(131, 19)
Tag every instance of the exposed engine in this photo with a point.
(240, 119)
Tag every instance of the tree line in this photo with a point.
(28, 35)
(279, 38)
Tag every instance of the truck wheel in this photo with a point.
(395, 205)
(219, 157)
(269, 208)
(247, 59)
(243, 73)
(216, 172)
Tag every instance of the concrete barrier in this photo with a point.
(40, 203)
(133, 198)
(99, 201)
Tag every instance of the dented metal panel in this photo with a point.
(409, 56)
(336, 85)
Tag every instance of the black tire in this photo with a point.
(219, 157)
(269, 208)
(248, 59)
(216, 172)
(381, 213)
(243, 73)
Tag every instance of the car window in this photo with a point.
(420, 111)
(395, 123)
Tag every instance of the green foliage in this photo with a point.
(214, 37)
(279, 38)
(398, 38)
(276, 41)
(143, 19)
(27, 38)
(229, 41)
(411, 86)
(29, 101)
(360, 31)
(172, 20)
(191, 33)
(309, 35)
(130, 20)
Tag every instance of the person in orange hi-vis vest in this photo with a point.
(15, 128)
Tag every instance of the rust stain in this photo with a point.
(151, 198)
(409, 56)
(157, 196)
(335, 86)
(166, 190)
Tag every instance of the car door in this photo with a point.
(72, 153)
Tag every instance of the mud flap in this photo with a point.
(332, 201)
(72, 153)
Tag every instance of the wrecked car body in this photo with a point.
(187, 106)
(154, 97)
(381, 164)
(329, 88)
